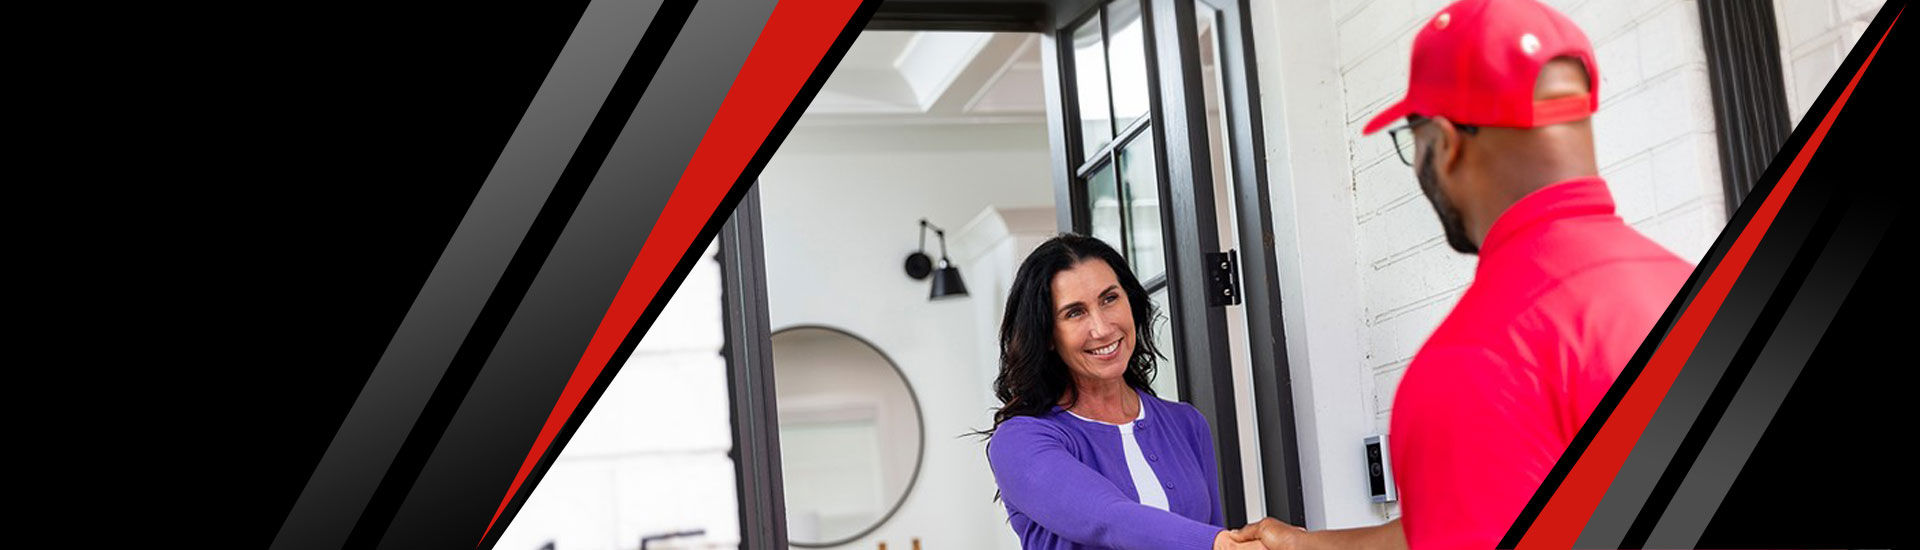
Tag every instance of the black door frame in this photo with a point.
(750, 378)
(1259, 271)
(749, 353)
(1186, 210)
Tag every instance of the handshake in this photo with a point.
(1273, 534)
(1266, 534)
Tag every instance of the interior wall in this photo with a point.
(1366, 274)
(841, 208)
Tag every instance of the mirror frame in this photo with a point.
(919, 418)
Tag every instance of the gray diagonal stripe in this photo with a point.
(1759, 397)
(1703, 371)
(466, 274)
(486, 441)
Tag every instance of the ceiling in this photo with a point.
(895, 77)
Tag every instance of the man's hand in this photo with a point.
(1271, 533)
(1227, 540)
(1274, 534)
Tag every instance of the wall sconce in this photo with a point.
(946, 280)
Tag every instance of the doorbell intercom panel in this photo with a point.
(1380, 470)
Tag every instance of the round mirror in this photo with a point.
(850, 434)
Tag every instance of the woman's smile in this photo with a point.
(1107, 352)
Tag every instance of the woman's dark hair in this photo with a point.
(1032, 376)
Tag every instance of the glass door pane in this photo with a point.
(1145, 250)
(1166, 379)
(1090, 85)
(1127, 48)
(1103, 208)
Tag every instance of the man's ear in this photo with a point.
(1446, 149)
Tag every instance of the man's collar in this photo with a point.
(1581, 196)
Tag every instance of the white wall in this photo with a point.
(994, 244)
(1365, 272)
(1815, 35)
(651, 457)
(841, 207)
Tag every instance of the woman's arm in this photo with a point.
(1039, 477)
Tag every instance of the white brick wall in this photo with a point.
(1654, 142)
(652, 455)
(1815, 35)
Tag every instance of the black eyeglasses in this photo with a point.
(1403, 136)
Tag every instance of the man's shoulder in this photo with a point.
(1605, 247)
(1637, 284)
(1604, 265)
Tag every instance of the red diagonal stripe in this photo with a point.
(1568, 511)
(796, 37)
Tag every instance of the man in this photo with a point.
(1497, 122)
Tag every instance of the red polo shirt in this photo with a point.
(1564, 294)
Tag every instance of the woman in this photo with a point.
(1085, 455)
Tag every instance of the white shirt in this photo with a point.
(1144, 480)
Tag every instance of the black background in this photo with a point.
(225, 214)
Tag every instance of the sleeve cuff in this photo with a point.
(1196, 535)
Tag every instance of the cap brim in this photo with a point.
(1394, 112)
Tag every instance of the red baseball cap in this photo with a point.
(1475, 63)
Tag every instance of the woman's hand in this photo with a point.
(1271, 534)
(1228, 540)
(1274, 534)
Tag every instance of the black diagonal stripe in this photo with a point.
(1794, 460)
(714, 224)
(1697, 493)
(486, 440)
(1714, 358)
(1817, 476)
(1733, 374)
(582, 168)
(475, 267)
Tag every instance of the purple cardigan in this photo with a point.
(1065, 482)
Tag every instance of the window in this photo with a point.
(1116, 171)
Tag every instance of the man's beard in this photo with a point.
(1450, 220)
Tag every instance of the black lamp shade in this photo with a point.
(946, 283)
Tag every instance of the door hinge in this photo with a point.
(1223, 278)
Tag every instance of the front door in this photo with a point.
(1152, 129)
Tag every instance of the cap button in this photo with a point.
(1441, 21)
(1529, 43)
